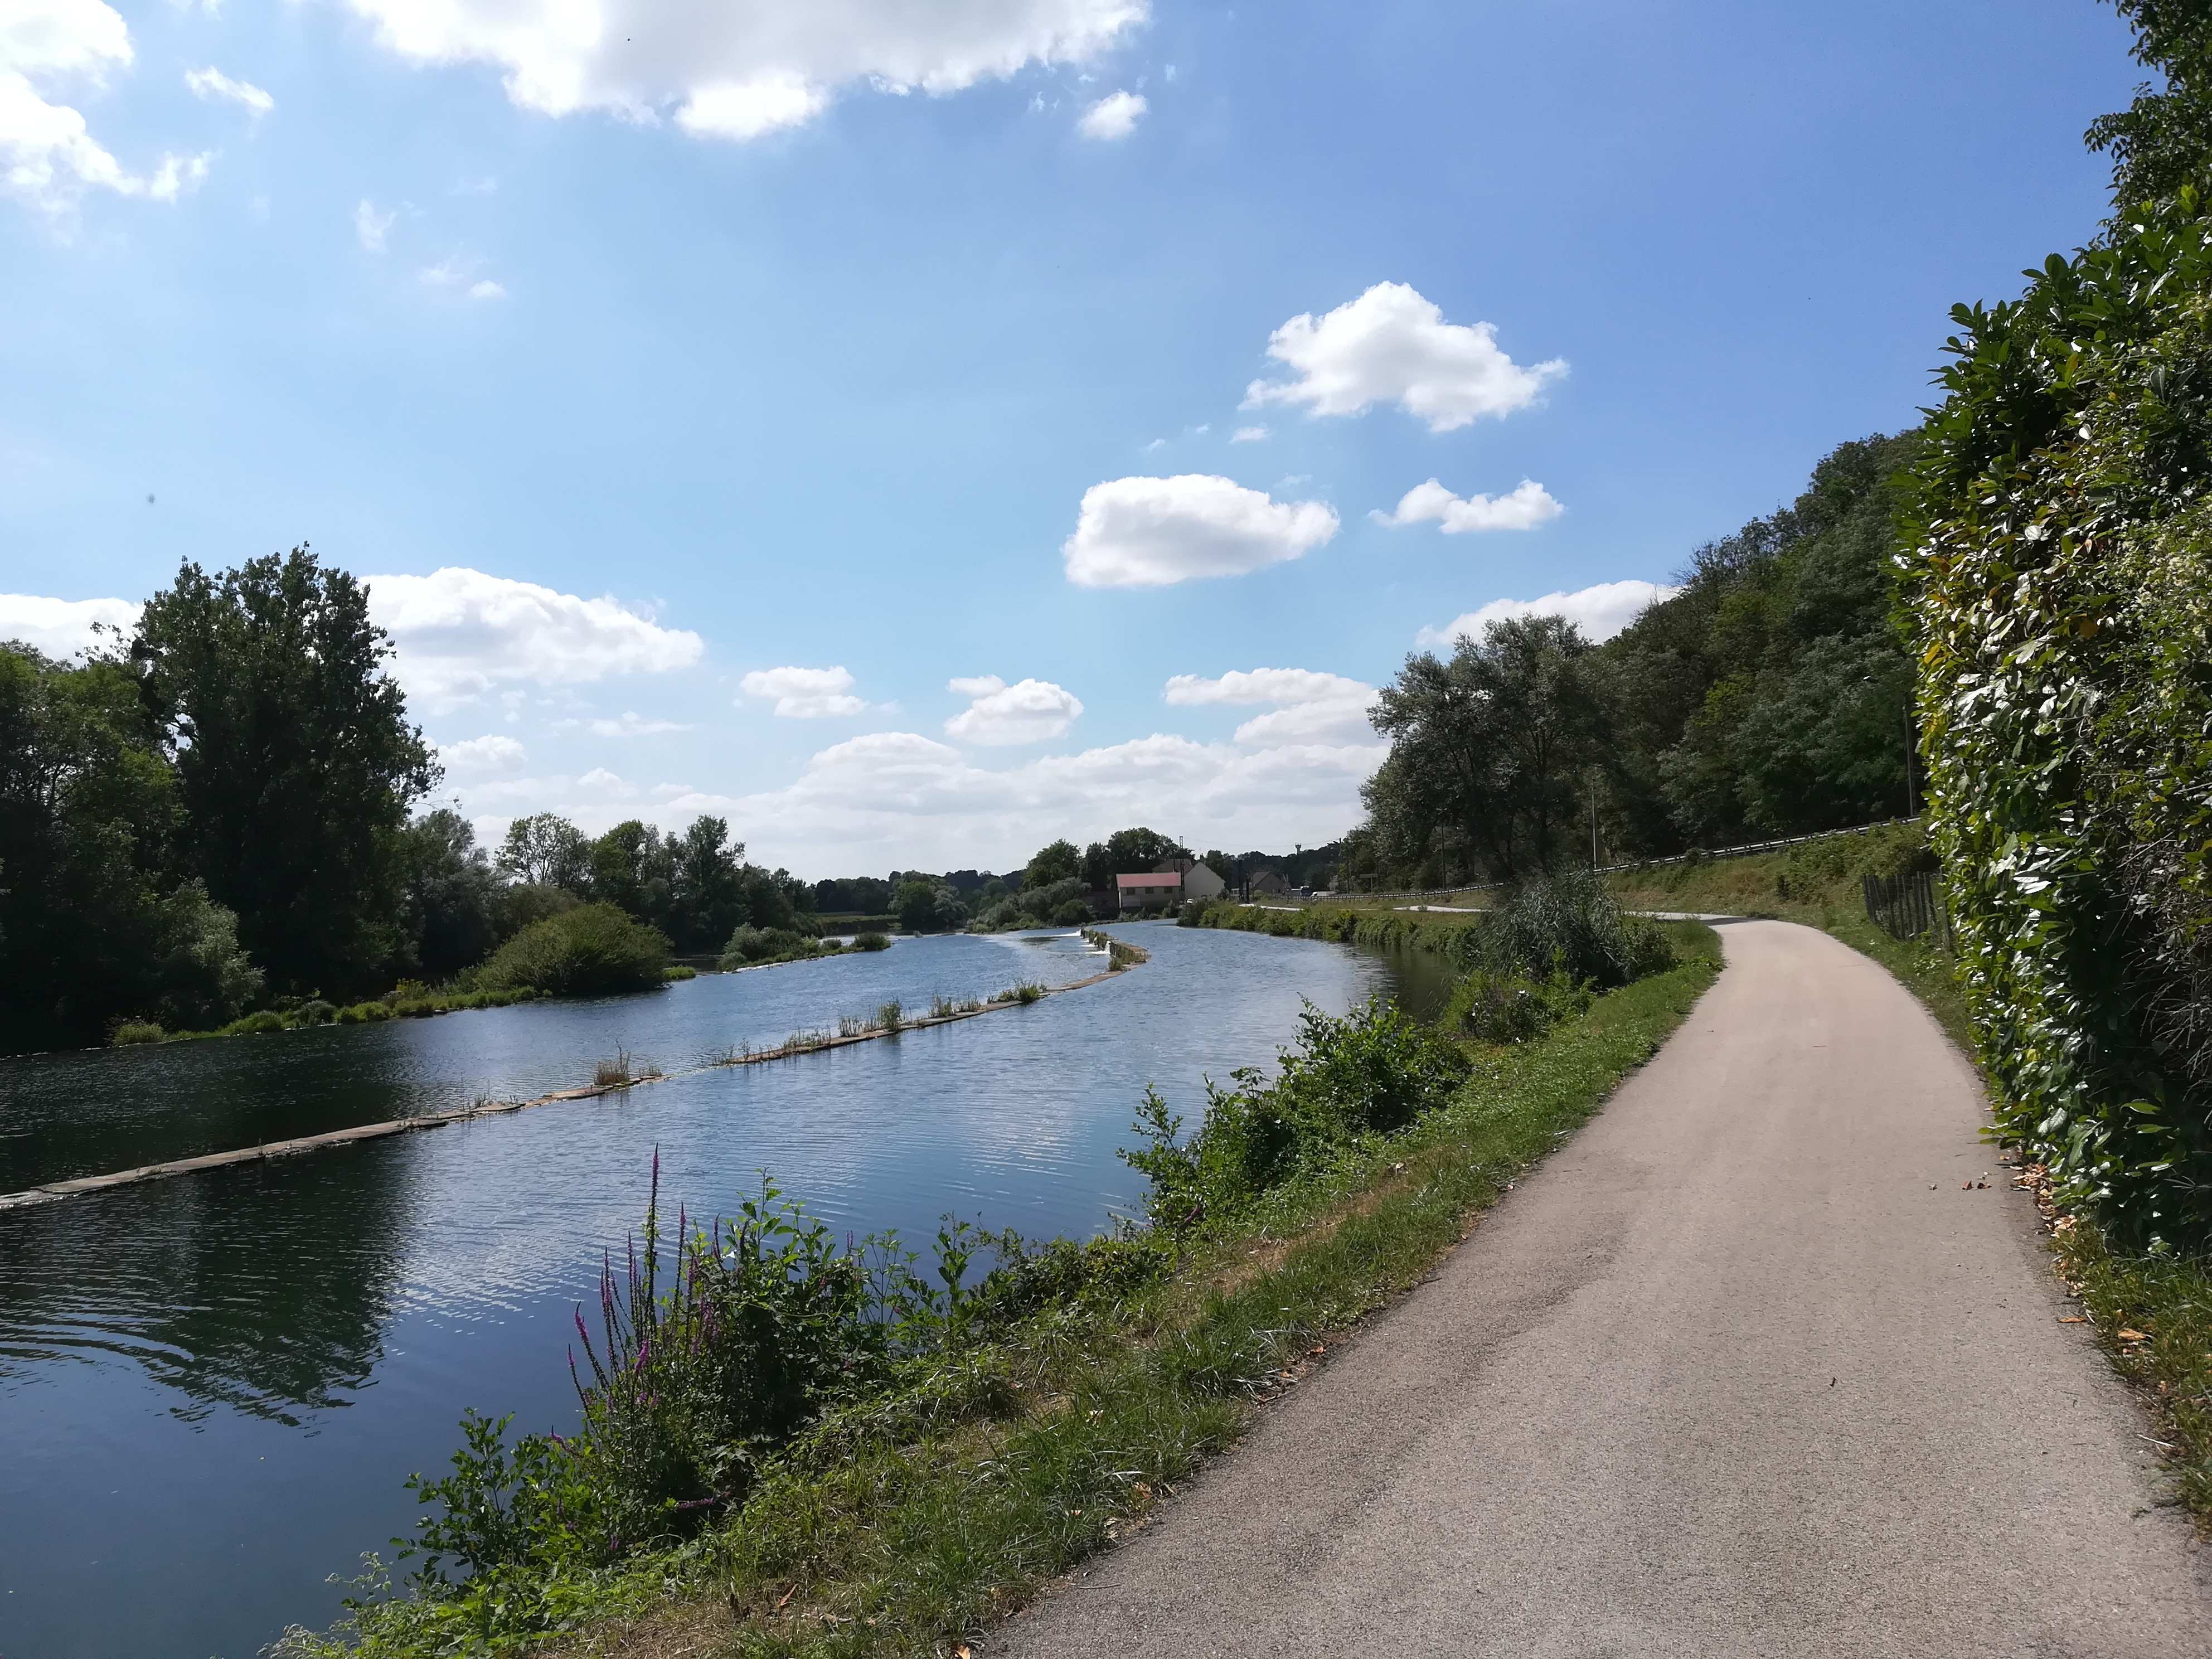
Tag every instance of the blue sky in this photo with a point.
(905, 344)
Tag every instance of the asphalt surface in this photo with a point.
(1742, 1370)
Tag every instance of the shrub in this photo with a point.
(871, 941)
(1072, 913)
(1369, 1073)
(1488, 1007)
(1569, 924)
(891, 1017)
(255, 1024)
(750, 946)
(590, 951)
(314, 1012)
(364, 1013)
(131, 1031)
(682, 970)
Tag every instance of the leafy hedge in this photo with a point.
(2062, 590)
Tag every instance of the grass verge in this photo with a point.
(910, 1524)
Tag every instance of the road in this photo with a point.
(1744, 1368)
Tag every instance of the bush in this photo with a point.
(255, 1024)
(1370, 1073)
(1569, 925)
(891, 1017)
(871, 941)
(131, 1031)
(590, 951)
(750, 946)
(1072, 913)
(205, 975)
(314, 1012)
(364, 1013)
(682, 970)
(1488, 1007)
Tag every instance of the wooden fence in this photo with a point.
(1909, 906)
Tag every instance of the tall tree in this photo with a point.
(2164, 139)
(1491, 750)
(546, 850)
(1057, 861)
(294, 759)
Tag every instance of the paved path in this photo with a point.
(1741, 1370)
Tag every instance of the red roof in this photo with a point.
(1149, 879)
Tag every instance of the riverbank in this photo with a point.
(1446, 933)
(619, 1075)
(1079, 1390)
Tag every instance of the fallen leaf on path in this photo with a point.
(2126, 1335)
(2072, 1319)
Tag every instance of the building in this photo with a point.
(1199, 882)
(1153, 887)
(1267, 884)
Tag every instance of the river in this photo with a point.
(211, 1387)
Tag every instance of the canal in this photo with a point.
(212, 1386)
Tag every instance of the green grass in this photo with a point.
(909, 1524)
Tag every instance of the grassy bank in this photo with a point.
(1444, 933)
(1042, 1413)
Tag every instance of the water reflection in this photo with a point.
(212, 1386)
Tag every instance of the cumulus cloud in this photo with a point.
(1523, 508)
(1113, 116)
(804, 694)
(370, 227)
(461, 632)
(743, 71)
(1601, 613)
(61, 628)
(489, 756)
(1249, 435)
(600, 781)
(1150, 532)
(213, 83)
(1309, 706)
(1028, 711)
(1391, 345)
(56, 49)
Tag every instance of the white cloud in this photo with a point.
(743, 71)
(898, 798)
(628, 724)
(1028, 711)
(1601, 613)
(1391, 345)
(460, 632)
(1113, 116)
(61, 628)
(489, 756)
(370, 227)
(212, 82)
(600, 781)
(1149, 532)
(48, 156)
(486, 290)
(1523, 508)
(1249, 435)
(1309, 706)
(804, 694)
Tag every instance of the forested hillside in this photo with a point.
(1768, 696)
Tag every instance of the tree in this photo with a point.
(546, 850)
(452, 900)
(2161, 141)
(924, 904)
(1132, 852)
(1099, 870)
(1490, 750)
(97, 921)
(1057, 861)
(294, 761)
(709, 894)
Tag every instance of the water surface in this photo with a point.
(211, 1387)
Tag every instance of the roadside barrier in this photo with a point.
(1909, 906)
